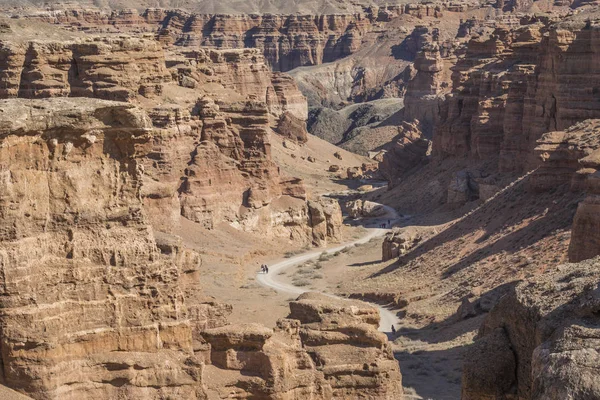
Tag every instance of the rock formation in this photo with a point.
(91, 306)
(408, 149)
(585, 237)
(325, 349)
(109, 68)
(540, 341)
(398, 242)
(424, 91)
(211, 160)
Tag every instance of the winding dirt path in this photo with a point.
(388, 318)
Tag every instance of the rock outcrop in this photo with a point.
(341, 338)
(541, 340)
(325, 349)
(91, 307)
(398, 242)
(425, 90)
(408, 149)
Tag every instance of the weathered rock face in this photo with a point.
(109, 68)
(540, 341)
(398, 242)
(109, 316)
(585, 236)
(292, 127)
(409, 149)
(513, 85)
(560, 154)
(244, 71)
(572, 157)
(325, 349)
(484, 115)
(424, 91)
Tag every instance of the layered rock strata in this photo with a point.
(111, 68)
(325, 349)
(91, 307)
(210, 160)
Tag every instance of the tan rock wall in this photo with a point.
(91, 308)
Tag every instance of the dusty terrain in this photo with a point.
(152, 160)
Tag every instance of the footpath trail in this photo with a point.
(388, 318)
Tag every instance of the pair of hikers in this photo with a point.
(389, 224)
(264, 269)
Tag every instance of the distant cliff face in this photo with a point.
(287, 41)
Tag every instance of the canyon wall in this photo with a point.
(214, 111)
(97, 305)
(513, 85)
(287, 41)
(91, 307)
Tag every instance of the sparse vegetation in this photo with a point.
(301, 282)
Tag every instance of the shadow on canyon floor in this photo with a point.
(532, 217)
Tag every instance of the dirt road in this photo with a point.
(388, 318)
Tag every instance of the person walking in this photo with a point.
(393, 330)
(266, 269)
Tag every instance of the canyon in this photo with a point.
(438, 161)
